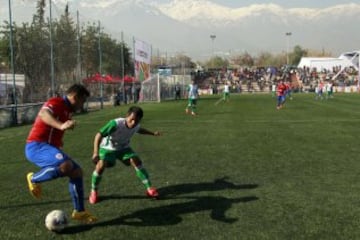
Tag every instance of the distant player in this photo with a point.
(320, 91)
(273, 90)
(281, 91)
(288, 90)
(226, 93)
(193, 94)
(44, 148)
(112, 143)
(177, 91)
(329, 90)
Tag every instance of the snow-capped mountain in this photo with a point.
(186, 25)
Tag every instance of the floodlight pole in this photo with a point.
(51, 53)
(78, 58)
(100, 69)
(122, 57)
(14, 98)
(358, 85)
(288, 35)
(212, 36)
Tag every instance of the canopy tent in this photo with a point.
(322, 63)
(348, 59)
(351, 58)
(109, 79)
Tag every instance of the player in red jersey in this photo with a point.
(44, 148)
(281, 91)
(288, 90)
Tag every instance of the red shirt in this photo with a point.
(281, 88)
(41, 132)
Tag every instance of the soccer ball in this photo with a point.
(56, 220)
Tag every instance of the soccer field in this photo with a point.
(238, 170)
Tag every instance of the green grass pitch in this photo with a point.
(238, 170)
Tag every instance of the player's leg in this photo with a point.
(131, 158)
(193, 107)
(188, 106)
(96, 177)
(107, 159)
(143, 175)
(49, 159)
(278, 105)
(283, 100)
(76, 190)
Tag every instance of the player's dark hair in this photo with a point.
(138, 112)
(79, 89)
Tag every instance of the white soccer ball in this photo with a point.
(56, 220)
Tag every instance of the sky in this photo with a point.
(312, 4)
(283, 3)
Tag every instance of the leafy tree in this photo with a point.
(317, 53)
(65, 47)
(4, 48)
(296, 55)
(244, 60)
(264, 59)
(110, 50)
(217, 62)
(32, 44)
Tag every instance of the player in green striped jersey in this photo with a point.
(112, 143)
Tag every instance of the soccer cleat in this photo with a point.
(152, 192)
(187, 111)
(193, 113)
(83, 216)
(34, 188)
(93, 198)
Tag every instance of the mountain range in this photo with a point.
(185, 26)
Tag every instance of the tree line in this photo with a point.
(60, 49)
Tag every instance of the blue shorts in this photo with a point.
(44, 155)
(280, 100)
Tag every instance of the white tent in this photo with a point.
(323, 63)
(352, 58)
(347, 59)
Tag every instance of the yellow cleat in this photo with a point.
(34, 188)
(83, 216)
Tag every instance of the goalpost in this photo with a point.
(159, 87)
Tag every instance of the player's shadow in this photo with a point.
(216, 185)
(171, 214)
(185, 188)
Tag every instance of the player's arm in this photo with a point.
(148, 132)
(105, 131)
(97, 141)
(47, 117)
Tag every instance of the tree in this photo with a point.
(264, 59)
(110, 51)
(244, 60)
(65, 47)
(4, 48)
(296, 55)
(89, 49)
(217, 62)
(32, 45)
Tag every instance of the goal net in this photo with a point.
(159, 88)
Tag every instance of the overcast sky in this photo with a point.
(283, 3)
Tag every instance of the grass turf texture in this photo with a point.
(238, 170)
